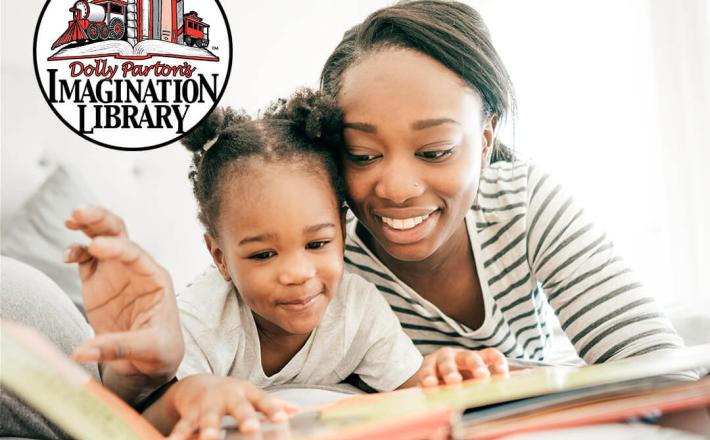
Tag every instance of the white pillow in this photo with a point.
(36, 234)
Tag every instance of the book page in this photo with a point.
(99, 48)
(157, 47)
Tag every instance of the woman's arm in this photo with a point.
(602, 307)
(130, 304)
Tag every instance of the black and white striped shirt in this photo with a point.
(535, 253)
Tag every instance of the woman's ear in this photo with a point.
(217, 256)
(489, 137)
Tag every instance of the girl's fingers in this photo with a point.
(275, 409)
(184, 427)
(95, 221)
(244, 413)
(210, 424)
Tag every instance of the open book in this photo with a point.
(533, 399)
(142, 50)
(528, 400)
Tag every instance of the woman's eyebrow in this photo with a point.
(417, 125)
(361, 126)
(427, 123)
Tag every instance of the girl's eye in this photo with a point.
(361, 158)
(262, 255)
(436, 155)
(317, 244)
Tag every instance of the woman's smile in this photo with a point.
(405, 226)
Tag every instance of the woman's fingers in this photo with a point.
(453, 365)
(125, 251)
(78, 253)
(427, 372)
(447, 366)
(472, 364)
(133, 346)
(495, 360)
(95, 221)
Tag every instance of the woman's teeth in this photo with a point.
(404, 223)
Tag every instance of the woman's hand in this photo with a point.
(452, 365)
(130, 304)
(202, 400)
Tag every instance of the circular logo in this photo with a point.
(132, 74)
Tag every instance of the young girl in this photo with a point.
(278, 308)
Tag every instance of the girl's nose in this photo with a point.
(296, 270)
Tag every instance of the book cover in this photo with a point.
(39, 374)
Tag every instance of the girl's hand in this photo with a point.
(130, 304)
(202, 400)
(452, 365)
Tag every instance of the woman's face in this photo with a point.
(415, 136)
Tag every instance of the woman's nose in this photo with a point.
(296, 270)
(398, 183)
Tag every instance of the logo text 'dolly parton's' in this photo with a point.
(130, 74)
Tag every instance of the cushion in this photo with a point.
(36, 234)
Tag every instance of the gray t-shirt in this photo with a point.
(358, 334)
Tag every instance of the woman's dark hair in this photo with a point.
(304, 130)
(452, 33)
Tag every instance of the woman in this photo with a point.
(469, 245)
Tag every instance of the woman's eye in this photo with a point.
(262, 255)
(362, 158)
(435, 155)
(317, 244)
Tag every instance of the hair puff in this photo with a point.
(312, 113)
(211, 126)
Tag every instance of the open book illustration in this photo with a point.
(527, 400)
(142, 50)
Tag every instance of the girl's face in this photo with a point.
(281, 244)
(415, 136)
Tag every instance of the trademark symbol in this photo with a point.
(215, 47)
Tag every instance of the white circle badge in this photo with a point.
(132, 74)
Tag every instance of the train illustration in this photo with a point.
(134, 21)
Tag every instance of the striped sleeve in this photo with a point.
(602, 307)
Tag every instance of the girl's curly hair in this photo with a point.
(306, 128)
